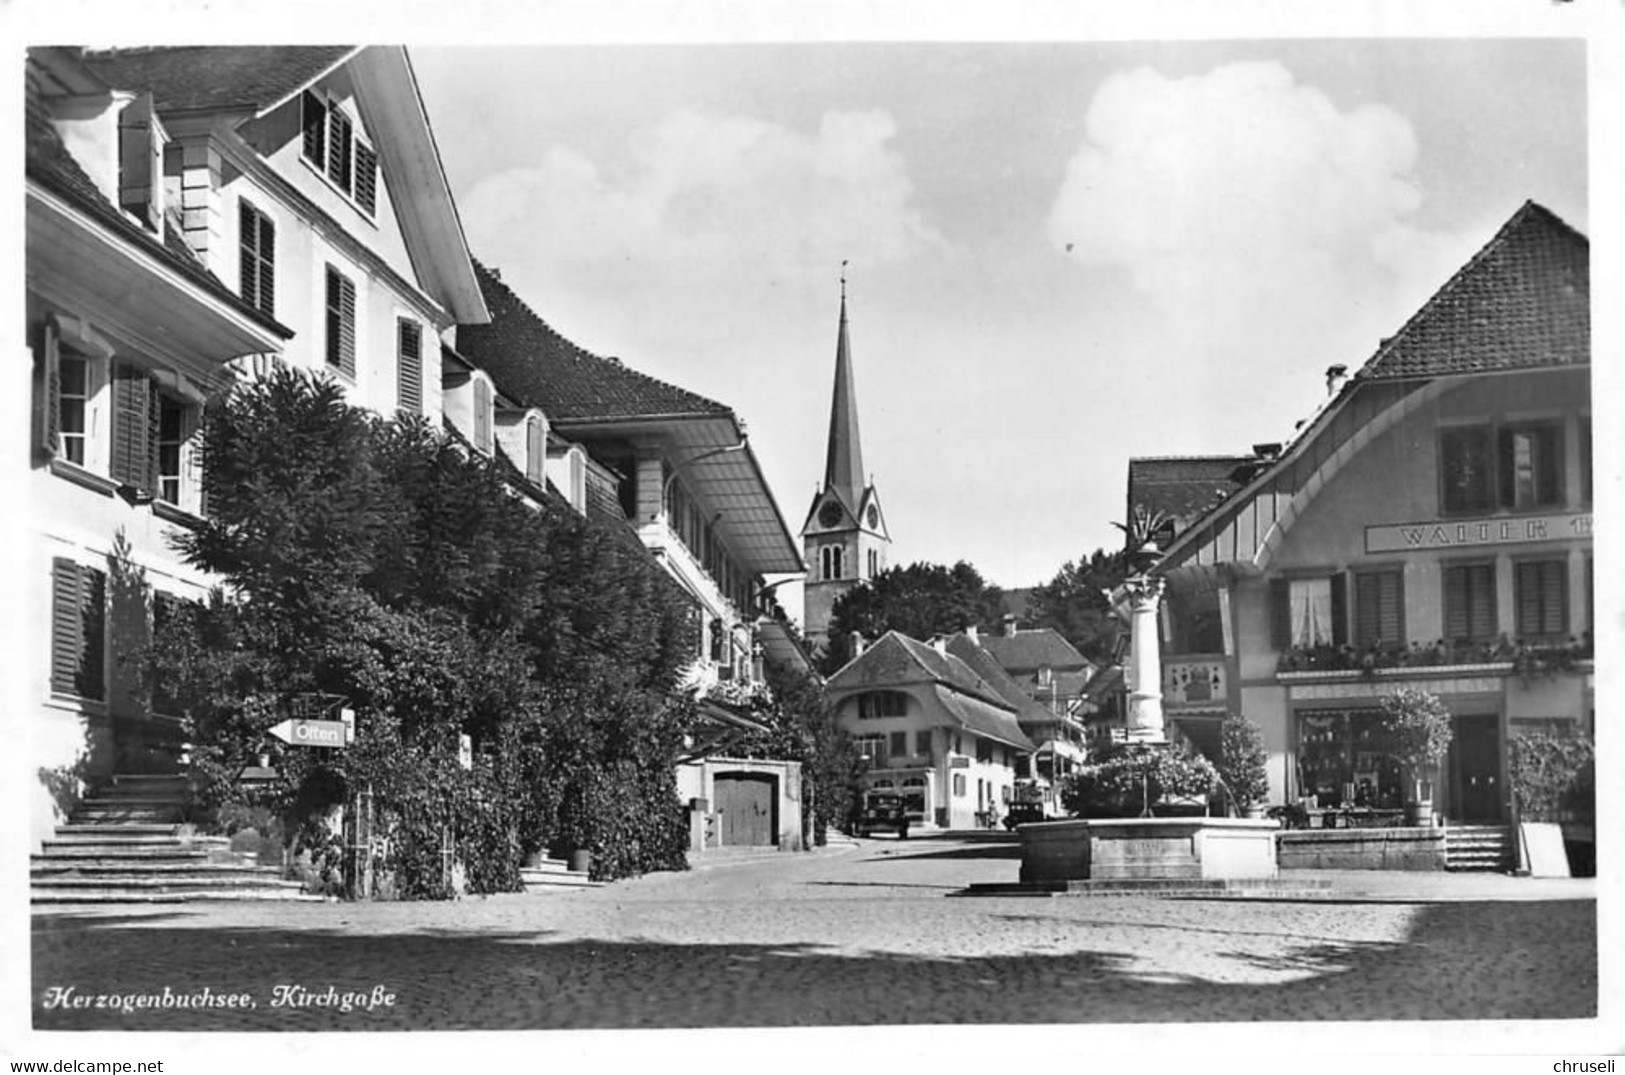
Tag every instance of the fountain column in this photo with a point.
(1143, 595)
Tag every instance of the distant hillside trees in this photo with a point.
(920, 600)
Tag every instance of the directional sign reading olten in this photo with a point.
(311, 733)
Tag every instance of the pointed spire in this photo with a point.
(843, 464)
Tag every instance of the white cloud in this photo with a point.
(1253, 209)
(741, 195)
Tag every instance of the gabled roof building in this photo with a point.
(1430, 526)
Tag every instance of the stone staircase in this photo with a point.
(125, 843)
(553, 875)
(1480, 847)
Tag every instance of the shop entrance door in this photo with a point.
(1475, 769)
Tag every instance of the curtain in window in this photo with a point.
(1311, 603)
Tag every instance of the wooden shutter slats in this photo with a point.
(366, 177)
(51, 387)
(409, 355)
(77, 629)
(314, 121)
(135, 438)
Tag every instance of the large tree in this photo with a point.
(385, 565)
(920, 600)
(1074, 603)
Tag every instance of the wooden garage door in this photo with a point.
(745, 804)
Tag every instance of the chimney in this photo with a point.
(1267, 451)
(970, 632)
(1335, 376)
(856, 640)
(1009, 622)
(940, 644)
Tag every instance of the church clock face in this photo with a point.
(829, 514)
(873, 517)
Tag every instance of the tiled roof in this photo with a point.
(1523, 301)
(983, 664)
(1031, 649)
(49, 163)
(216, 77)
(977, 716)
(1186, 487)
(897, 658)
(543, 369)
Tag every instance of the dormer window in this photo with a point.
(535, 450)
(482, 415)
(332, 146)
(141, 141)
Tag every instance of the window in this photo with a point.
(959, 785)
(535, 450)
(172, 436)
(874, 562)
(482, 416)
(256, 243)
(332, 147)
(340, 322)
(409, 364)
(922, 742)
(831, 557)
(1531, 460)
(899, 744)
(1523, 470)
(78, 630)
(1465, 469)
(1309, 612)
(871, 747)
(73, 407)
(1341, 763)
(984, 750)
(875, 704)
(1542, 588)
(1469, 602)
(1379, 608)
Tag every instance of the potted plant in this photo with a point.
(1416, 732)
(1242, 761)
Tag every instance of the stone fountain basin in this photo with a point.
(1148, 849)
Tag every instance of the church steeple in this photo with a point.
(845, 537)
(843, 461)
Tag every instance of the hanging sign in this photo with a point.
(311, 733)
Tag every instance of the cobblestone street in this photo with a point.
(856, 934)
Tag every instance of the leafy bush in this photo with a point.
(1416, 728)
(1243, 760)
(1554, 777)
(1126, 778)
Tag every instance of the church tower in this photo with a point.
(844, 538)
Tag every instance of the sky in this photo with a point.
(1058, 255)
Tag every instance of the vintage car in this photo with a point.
(1020, 813)
(881, 811)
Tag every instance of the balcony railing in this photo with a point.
(1519, 657)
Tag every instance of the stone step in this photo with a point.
(226, 881)
(125, 860)
(541, 879)
(120, 872)
(117, 829)
(107, 814)
(141, 845)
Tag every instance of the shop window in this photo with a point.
(1469, 602)
(1309, 612)
(1541, 588)
(1341, 763)
(1379, 608)
(876, 704)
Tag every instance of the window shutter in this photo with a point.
(314, 122)
(1392, 624)
(1549, 466)
(256, 238)
(1456, 617)
(338, 149)
(535, 451)
(1481, 599)
(1280, 614)
(1340, 609)
(135, 440)
(409, 356)
(1367, 617)
(77, 629)
(1506, 473)
(340, 322)
(366, 178)
(140, 173)
(482, 416)
(267, 252)
(50, 388)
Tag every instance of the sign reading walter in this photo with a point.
(1470, 533)
(310, 733)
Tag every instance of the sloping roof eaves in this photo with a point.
(571, 384)
(974, 715)
(248, 78)
(49, 163)
(1033, 648)
(897, 659)
(983, 664)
